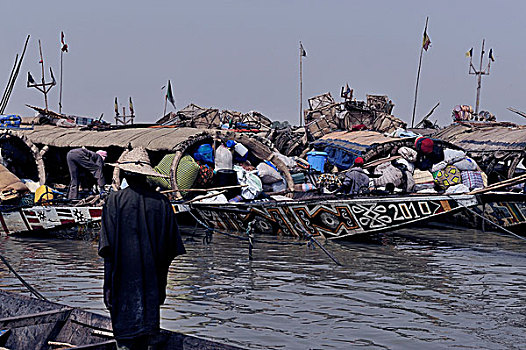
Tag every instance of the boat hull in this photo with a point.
(329, 218)
(42, 218)
(36, 324)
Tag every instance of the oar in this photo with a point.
(210, 195)
(204, 189)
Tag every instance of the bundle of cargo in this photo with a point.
(326, 116)
(10, 185)
(499, 148)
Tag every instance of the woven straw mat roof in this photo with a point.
(154, 139)
(485, 138)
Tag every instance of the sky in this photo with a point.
(244, 55)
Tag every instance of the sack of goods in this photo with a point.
(449, 176)
(268, 173)
(451, 155)
(389, 174)
(466, 164)
(186, 172)
(472, 179)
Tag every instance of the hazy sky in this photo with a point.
(243, 55)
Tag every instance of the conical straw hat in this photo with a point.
(137, 161)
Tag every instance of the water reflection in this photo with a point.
(416, 289)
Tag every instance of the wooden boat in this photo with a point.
(28, 323)
(337, 218)
(41, 218)
(41, 157)
(330, 217)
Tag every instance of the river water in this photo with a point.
(413, 289)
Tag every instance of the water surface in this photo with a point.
(415, 289)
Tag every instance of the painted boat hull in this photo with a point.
(330, 218)
(42, 218)
(57, 220)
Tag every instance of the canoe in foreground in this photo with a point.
(330, 217)
(28, 323)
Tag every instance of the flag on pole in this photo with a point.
(491, 55)
(303, 53)
(169, 94)
(30, 79)
(64, 46)
(131, 107)
(116, 107)
(426, 41)
(469, 53)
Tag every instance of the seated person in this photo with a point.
(428, 153)
(356, 180)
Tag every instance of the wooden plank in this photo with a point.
(34, 319)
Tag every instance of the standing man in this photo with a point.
(88, 160)
(139, 239)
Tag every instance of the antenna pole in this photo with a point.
(479, 73)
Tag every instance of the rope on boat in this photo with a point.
(490, 221)
(27, 285)
(250, 238)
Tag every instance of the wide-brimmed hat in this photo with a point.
(137, 161)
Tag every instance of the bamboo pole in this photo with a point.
(8, 84)
(4, 105)
(504, 183)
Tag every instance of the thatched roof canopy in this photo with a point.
(485, 138)
(153, 139)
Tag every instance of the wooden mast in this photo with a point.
(418, 74)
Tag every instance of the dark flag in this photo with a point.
(169, 94)
(491, 55)
(347, 90)
(469, 53)
(52, 76)
(131, 107)
(30, 79)
(64, 45)
(426, 41)
(303, 53)
(116, 107)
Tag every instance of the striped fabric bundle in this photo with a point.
(472, 179)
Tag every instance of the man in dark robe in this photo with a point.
(93, 162)
(139, 239)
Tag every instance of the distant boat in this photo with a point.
(29, 323)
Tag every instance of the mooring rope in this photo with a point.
(27, 285)
(488, 220)
(250, 238)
